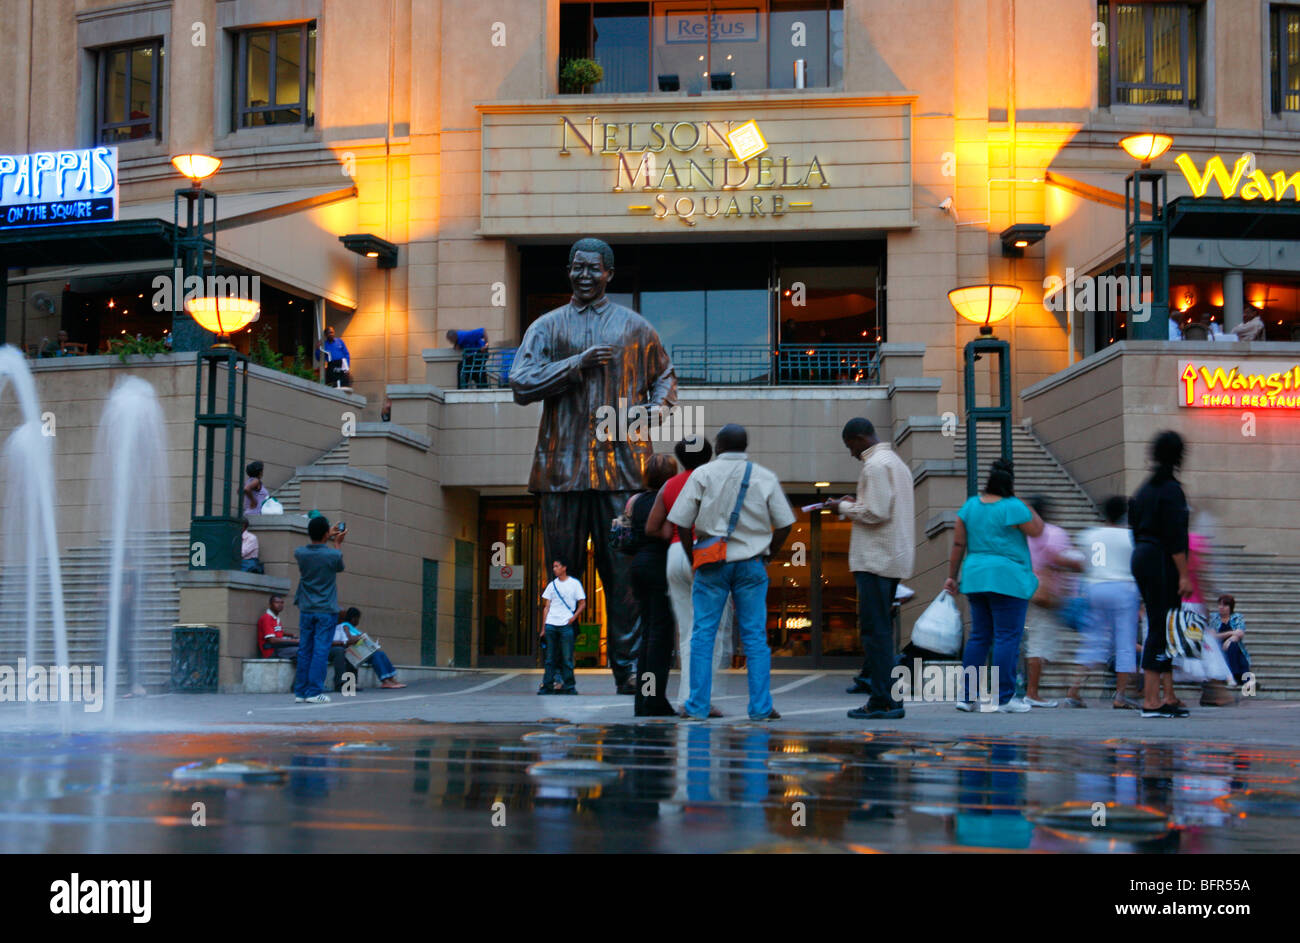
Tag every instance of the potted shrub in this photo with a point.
(579, 75)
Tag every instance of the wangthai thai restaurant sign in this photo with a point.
(794, 164)
(1252, 384)
(54, 188)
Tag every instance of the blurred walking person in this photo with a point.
(692, 452)
(991, 549)
(1113, 603)
(649, 571)
(741, 502)
(1158, 515)
(1052, 555)
(882, 551)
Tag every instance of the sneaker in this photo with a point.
(1077, 703)
(298, 700)
(879, 713)
(966, 706)
(1035, 702)
(770, 715)
(1014, 706)
(318, 699)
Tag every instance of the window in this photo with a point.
(740, 312)
(1284, 57)
(1151, 55)
(706, 45)
(129, 99)
(275, 76)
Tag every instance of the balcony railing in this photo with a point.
(720, 365)
(783, 365)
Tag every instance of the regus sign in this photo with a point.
(53, 188)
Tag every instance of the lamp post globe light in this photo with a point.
(220, 376)
(986, 305)
(1152, 232)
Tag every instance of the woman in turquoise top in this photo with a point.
(997, 578)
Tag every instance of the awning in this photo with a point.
(1217, 218)
(289, 237)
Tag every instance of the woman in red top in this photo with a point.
(691, 452)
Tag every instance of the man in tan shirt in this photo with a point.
(763, 520)
(882, 551)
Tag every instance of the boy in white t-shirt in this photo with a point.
(564, 601)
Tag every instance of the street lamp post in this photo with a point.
(1151, 230)
(986, 305)
(204, 324)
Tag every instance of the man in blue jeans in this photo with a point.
(318, 605)
(564, 600)
(741, 501)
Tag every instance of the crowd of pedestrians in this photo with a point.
(701, 536)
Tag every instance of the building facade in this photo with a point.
(894, 148)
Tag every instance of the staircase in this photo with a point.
(290, 493)
(85, 594)
(1259, 581)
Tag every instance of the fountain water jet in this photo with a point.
(131, 489)
(29, 525)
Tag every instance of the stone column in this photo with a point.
(1232, 298)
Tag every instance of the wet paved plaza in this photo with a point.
(662, 786)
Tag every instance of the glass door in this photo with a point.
(513, 576)
(812, 618)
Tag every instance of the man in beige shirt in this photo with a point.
(707, 503)
(882, 551)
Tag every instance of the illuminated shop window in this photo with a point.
(129, 92)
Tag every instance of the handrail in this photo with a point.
(813, 364)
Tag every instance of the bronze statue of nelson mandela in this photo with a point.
(589, 354)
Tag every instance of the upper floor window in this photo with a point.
(128, 100)
(1284, 57)
(1151, 55)
(718, 45)
(275, 76)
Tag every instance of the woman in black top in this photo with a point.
(1158, 516)
(650, 587)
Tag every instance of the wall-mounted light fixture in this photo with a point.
(372, 247)
(1017, 238)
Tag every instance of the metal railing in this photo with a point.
(719, 365)
(485, 369)
(783, 365)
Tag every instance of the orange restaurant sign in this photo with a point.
(1259, 384)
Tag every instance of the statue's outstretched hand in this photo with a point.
(596, 356)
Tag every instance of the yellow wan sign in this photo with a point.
(1252, 181)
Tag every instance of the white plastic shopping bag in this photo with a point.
(939, 627)
(272, 506)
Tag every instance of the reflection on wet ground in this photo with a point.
(664, 787)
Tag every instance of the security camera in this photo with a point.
(949, 207)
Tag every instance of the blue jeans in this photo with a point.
(746, 582)
(382, 664)
(998, 621)
(315, 634)
(559, 657)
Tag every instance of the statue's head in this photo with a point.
(591, 266)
